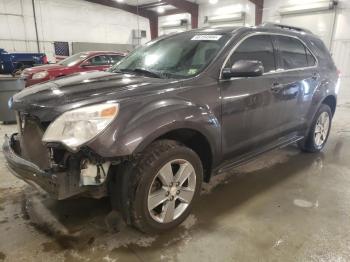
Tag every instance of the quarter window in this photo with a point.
(311, 61)
(293, 53)
(257, 47)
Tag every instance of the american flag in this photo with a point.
(61, 48)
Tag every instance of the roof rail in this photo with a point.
(275, 25)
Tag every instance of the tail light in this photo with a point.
(45, 59)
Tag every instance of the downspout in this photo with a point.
(36, 27)
(331, 44)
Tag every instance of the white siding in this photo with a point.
(341, 41)
(223, 7)
(171, 18)
(64, 20)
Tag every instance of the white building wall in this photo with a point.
(222, 7)
(67, 21)
(333, 25)
(226, 7)
(163, 20)
(341, 40)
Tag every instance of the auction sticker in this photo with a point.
(206, 37)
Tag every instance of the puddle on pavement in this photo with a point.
(304, 203)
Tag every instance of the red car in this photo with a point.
(81, 62)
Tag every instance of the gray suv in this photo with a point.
(172, 114)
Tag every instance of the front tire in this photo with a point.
(319, 131)
(160, 186)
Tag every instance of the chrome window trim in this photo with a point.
(277, 71)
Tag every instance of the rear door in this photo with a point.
(248, 105)
(295, 81)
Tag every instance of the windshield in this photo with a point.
(178, 56)
(74, 59)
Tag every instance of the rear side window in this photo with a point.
(293, 54)
(257, 47)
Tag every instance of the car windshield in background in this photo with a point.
(73, 60)
(178, 56)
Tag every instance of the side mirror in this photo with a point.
(244, 68)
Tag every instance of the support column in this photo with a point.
(194, 18)
(153, 23)
(259, 6)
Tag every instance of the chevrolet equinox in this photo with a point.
(172, 114)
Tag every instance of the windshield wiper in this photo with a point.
(142, 71)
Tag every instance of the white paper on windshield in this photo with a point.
(206, 37)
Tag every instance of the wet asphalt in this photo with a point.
(283, 206)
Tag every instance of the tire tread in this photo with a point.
(308, 145)
(128, 181)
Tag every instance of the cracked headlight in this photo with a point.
(76, 127)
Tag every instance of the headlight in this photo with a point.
(78, 126)
(40, 75)
(24, 74)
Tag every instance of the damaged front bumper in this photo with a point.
(59, 185)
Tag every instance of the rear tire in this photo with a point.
(156, 191)
(318, 135)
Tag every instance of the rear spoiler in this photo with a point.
(294, 28)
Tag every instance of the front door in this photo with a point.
(98, 62)
(248, 104)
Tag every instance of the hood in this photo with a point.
(50, 99)
(36, 69)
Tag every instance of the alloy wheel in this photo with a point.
(171, 191)
(321, 129)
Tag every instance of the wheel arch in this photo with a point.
(191, 137)
(331, 101)
(196, 141)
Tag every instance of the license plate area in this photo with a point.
(32, 147)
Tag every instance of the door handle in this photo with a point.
(315, 76)
(276, 87)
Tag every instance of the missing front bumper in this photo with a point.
(60, 185)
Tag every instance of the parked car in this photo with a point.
(172, 114)
(10, 63)
(80, 62)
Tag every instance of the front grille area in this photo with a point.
(32, 148)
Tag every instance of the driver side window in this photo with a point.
(258, 47)
(99, 60)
